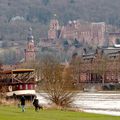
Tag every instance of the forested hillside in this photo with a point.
(17, 15)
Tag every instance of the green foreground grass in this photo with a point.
(14, 113)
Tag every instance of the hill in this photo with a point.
(17, 15)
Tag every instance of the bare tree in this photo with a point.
(76, 69)
(100, 67)
(80, 69)
(56, 81)
(3, 89)
(2, 85)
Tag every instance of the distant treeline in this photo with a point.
(37, 13)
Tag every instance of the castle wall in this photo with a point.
(91, 33)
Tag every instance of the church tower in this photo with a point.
(30, 47)
(53, 28)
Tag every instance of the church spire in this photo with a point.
(30, 47)
(30, 35)
(55, 16)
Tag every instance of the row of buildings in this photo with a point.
(97, 34)
(89, 66)
(103, 38)
(88, 32)
(100, 67)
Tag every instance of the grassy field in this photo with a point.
(14, 113)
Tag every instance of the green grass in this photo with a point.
(14, 113)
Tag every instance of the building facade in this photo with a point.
(85, 32)
(96, 68)
(53, 29)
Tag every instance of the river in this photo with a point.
(98, 102)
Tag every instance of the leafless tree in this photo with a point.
(3, 89)
(2, 86)
(100, 66)
(56, 81)
(76, 67)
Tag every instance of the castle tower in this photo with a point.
(98, 33)
(53, 28)
(30, 48)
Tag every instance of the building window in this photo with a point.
(26, 87)
(20, 87)
(31, 87)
